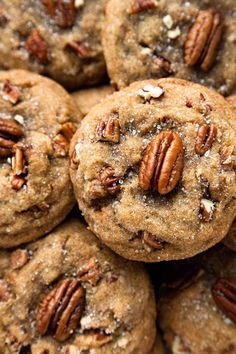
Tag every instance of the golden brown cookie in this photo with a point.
(193, 40)
(58, 38)
(153, 169)
(87, 98)
(70, 294)
(200, 317)
(230, 240)
(36, 125)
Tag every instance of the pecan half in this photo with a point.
(109, 130)
(37, 47)
(163, 163)
(90, 272)
(6, 147)
(10, 128)
(109, 181)
(207, 208)
(79, 48)
(61, 309)
(152, 240)
(61, 142)
(142, 5)
(224, 295)
(19, 258)
(227, 157)
(203, 39)
(63, 12)
(206, 135)
(11, 92)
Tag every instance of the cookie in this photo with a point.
(61, 39)
(232, 101)
(230, 240)
(200, 317)
(36, 125)
(87, 98)
(152, 169)
(107, 303)
(193, 40)
(158, 346)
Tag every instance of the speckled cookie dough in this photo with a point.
(58, 38)
(87, 98)
(36, 124)
(193, 40)
(153, 169)
(200, 318)
(68, 293)
(232, 101)
(230, 240)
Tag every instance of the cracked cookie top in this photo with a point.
(58, 38)
(153, 169)
(68, 293)
(195, 314)
(193, 40)
(36, 124)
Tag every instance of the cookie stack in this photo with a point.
(147, 259)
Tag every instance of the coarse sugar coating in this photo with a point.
(199, 317)
(57, 38)
(71, 294)
(153, 169)
(37, 121)
(193, 40)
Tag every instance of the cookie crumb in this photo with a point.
(168, 21)
(172, 34)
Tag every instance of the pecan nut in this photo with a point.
(90, 272)
(10, 128)
(19, 170)
(80, 49)
(163, 163)
(203, 39)
(63, 12)
(207, 208)
(224, 295)
(152, 240)
(19, 258)
(37, 47)
(61, 142)
(142, 5)
(11, 92)
(164, 65)
(61, 309)
(227, 157)
(109, 130)
(205, 137)
(109, 181)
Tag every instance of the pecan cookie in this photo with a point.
(87, 98)
(193, 40)
(232, 101)
(58, 38)
(71, 294)
(230, 240)
(153, 169)
(36, 125)
(200, 317)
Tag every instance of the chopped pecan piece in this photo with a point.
(205, 137)
(142, 5)
(164, 65)
(6, 147)
(19, 170)
(109, 181)
(152, 240)
(224, 295)
(61, 309)
(61, 142)
(227, 157)
(207, 209)
(203, 39)
(81, 49)
(11, 128)
(37, 47)
(90, 272)
(109, 130)
(163, 163)
(63, 12)
(11, 92)
(19, 258)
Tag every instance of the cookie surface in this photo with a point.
(87, 98)
(36, 125)
(58, 38)
(153, 170)
(232, 101)
(150, 39)
(110, 300)
(230, 240)
(194, 316)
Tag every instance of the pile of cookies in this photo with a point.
(144, 140)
